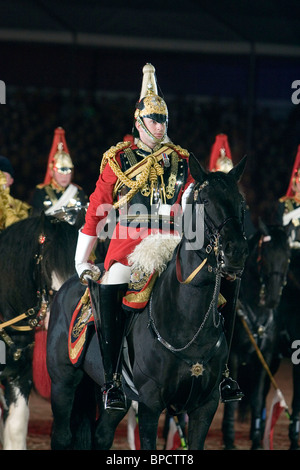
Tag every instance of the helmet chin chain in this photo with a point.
(156, 140)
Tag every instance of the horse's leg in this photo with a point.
(106, 427)
(16, 422)
(295, 417)
(63, 391)
(200, 420)
(228, 423)
(148, 424)
(257, 406)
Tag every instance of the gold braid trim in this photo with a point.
(134, 186)
(177, 148)
(151, 170)
(111, 153)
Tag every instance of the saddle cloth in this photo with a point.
(80, 327)
(135, 300)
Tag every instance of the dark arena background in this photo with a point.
(222, 66)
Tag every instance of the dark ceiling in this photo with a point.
(226, 26)
(198, 47)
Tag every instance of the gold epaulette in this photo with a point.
(112, 152)
(177, 148)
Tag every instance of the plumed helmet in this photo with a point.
(6, 166)
(59, 156)
(62, 161)
(295, 175)
(150, 104)
(220, 157)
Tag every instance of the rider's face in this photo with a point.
(63, 179)
(156, 128)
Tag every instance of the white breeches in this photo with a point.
(117, 274)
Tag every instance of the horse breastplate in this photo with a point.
(150, 207)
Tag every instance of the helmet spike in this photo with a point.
(149, 85)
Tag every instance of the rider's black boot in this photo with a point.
(110, 321)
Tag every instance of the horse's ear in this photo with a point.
(262, 227)
(238, 170)
(196, 169)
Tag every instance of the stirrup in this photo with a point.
(114, 397)
(230, 390)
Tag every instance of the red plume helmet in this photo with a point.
(220, 157)
(59, 140)
(295, 173)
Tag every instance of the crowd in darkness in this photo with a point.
(95, 121)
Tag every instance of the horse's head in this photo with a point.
(57, 250)
(272, 260)
(223, 209)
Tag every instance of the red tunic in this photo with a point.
(124, 239)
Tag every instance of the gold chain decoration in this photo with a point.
(111, 153)
(152, 169)
(134, 185)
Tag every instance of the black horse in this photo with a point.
(289, 324)
(37, 256)
(176, 346)
(261, 287)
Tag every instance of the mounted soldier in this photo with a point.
(58, 195)
(151, 174)
(289, 206)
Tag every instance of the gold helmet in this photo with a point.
(59, 157)
(150, 104)
(62, 162)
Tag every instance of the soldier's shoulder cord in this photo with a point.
(183, 152)
(110, 154)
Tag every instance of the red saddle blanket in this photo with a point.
(81, 323)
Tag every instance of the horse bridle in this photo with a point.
(213, 232)
(214, 244)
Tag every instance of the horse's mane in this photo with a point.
(17, 244)
(19, 247)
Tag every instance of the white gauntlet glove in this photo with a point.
(85, 270)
